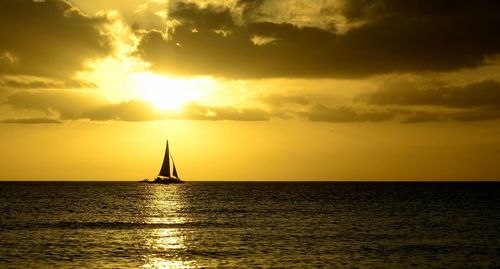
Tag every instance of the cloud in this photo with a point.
(346, 114)
(133, 110)
(74, 105)
(138, 110)
(421, 116)
(199, 112)
(211, 17)
(65, 104)
(465, 115)
(478, 114)
(249, 8)
(32, 121)
(484, 93)
(49, 38)
(322, 113)
(279, 100)
(29, 82)
(391, 36)
(139, 14)
(474, 102)
(413, 102)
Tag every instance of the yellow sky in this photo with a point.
(270, 90)
(269, 150)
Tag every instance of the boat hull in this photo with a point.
(163, 181)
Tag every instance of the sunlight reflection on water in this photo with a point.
(164, 206)
(162, 263)
(165, 244)
(165, 239)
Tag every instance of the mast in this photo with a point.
(165, 167)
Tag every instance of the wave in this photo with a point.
(114, 225)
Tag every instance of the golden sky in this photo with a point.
(250, 89)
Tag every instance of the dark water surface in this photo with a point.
(293, 225)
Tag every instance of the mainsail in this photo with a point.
(165, 167)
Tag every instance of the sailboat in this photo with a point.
(164, 177)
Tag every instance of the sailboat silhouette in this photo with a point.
(164, 177)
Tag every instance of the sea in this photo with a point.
(249, 225)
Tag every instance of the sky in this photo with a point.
(250, 89)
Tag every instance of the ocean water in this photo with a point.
(235, 225)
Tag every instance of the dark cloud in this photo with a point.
(33, 83)
(67, 104)
(133, 110)
(484, 93)
(395, 36)
(346, 114)
(250, 8)
(70, 105)
(32, 121)
(478, 114)
(278, 100)
(199, 112)
(465, 115)
(421, 116)
(373, 9)
(295, 52)
(48, 38)
(210, 17)
(323, 113)
(473, 102)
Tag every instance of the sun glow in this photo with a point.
(170, 93)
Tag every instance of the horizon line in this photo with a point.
(261, 181)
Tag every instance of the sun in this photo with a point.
(169, 93)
